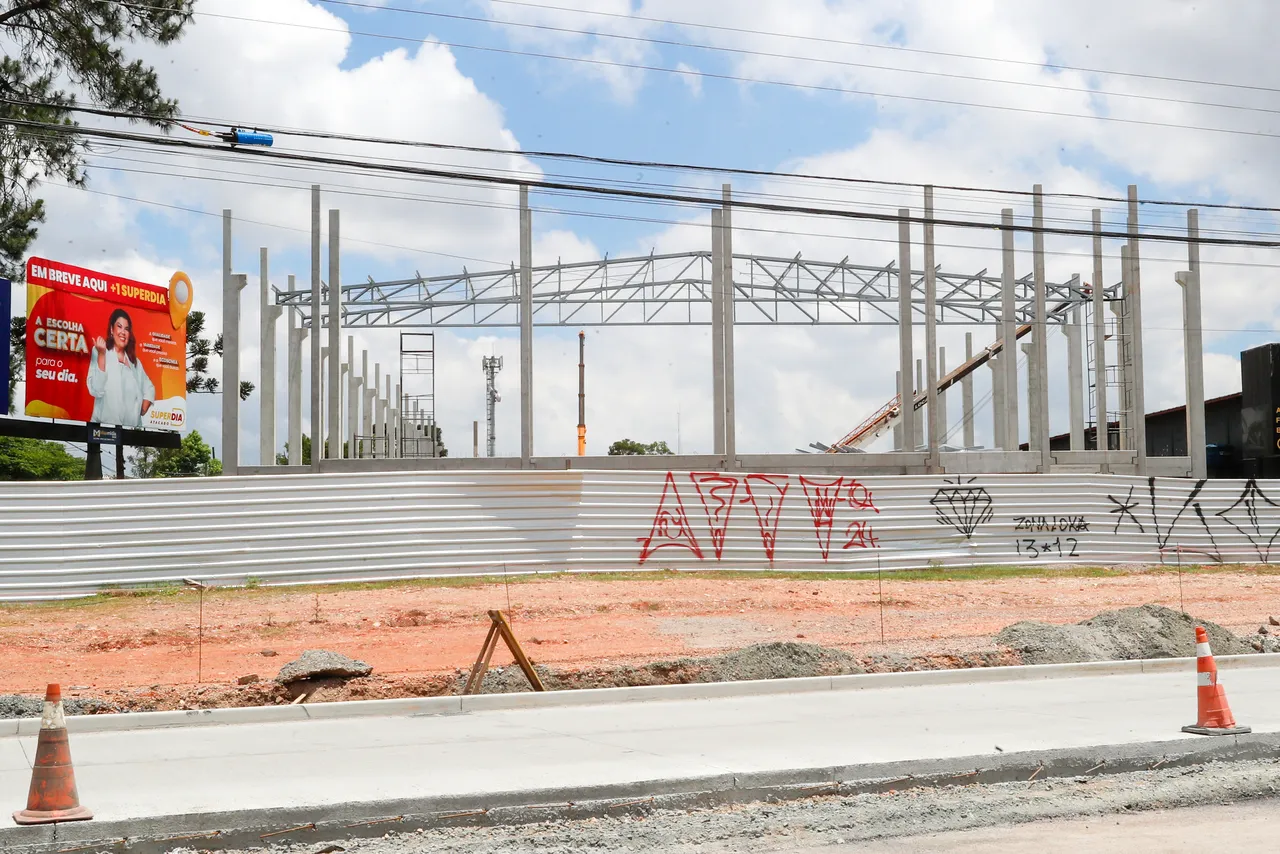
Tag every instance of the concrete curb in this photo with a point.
(606, 696)
(319, 824)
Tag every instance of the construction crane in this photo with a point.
(884, 418)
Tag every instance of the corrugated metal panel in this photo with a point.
(70, 539)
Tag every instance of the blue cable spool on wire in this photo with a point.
(246, 137)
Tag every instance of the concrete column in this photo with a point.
(966, 395)
(940, 401)
(526, 328)
(230, 356)
(1194, 349)
(937, 427)
(1040, 402)
(999, 422)
(918, 438)
(906, 350)
(717, 334)
(897, 428)
(1034, 381)
(726, 283)
(387, 403)
(475, 439)
(1124, 362)
(1137, 378)
(296, 336)
(397, 424)
(1075, 374)
(335, 338)
(268, 314)
(1009, 334)
(317, 334)
(375, 406)
(353, 398)
(1102, 421)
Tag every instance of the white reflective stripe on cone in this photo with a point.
(1204, 680)
(1203, 651)
(52, 716)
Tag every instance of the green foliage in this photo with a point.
(32, 459)
(198, 351)
(52, 47)
(193, 459)
(628, 447)
(17, 345)
(283, 459)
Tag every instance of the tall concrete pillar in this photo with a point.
(717, 333)
(297, 334)
(317, 335)
(897, 428)
(918, 437)
(1009, 334)
(1040, 402)
(937, 427)
(353, 398)
(1193, 346)
(906, 350)
(268, 314)
(1075, 374)
(999, 421)
(966, 395)
(375, 406)
(1124, 362)
(397, 424)
(387, 405)
(726, 284)
(1034, 381)
(230, 355)
(940, 400)
(1134, 299)
(1101, 416)
(526, 328)
(335, 338)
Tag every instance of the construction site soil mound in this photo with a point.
(1148, 631)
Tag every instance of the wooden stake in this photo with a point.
(499, 627)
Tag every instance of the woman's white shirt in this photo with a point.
(118, 392)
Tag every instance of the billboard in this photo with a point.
(104, 349)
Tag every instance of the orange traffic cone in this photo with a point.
(53, 795)
(1214, 717)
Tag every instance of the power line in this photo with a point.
(887, 47)
(612, 161)
(771, 55)
(691, 72)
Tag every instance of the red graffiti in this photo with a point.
(860, 496)
(717, 492)
(822, 497)
(860, 535)
(670, 525)
(772, 487)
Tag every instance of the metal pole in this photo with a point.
(905, 349)
(1075, 374)
(727, 303)
(582, 394)
(526, 328)
(335, 339)
(268, 314)
(966, 394)
(1135, 328)
(717, 334)
(296, 336)
(1040, 401)
(937, 426)
(317, 324)
(1102, 420)
(1008, 335)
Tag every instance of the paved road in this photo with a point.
(164, 772)
(1239, 827)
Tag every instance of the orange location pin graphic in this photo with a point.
(181, 295)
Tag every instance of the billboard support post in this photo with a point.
(6, 311)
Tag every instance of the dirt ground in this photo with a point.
(147, 650)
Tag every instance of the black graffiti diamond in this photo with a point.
(962, 506)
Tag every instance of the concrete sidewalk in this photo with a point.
(479, 759)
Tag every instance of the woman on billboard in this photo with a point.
(122, 391)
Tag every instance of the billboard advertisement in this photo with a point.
(105, 349)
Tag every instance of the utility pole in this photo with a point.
(582, 394)
(490, 365)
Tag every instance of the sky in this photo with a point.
(1082, 98)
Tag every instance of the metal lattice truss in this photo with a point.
(675, 290)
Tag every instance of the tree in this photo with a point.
(32, 459)
(193, 458)
(283, 459)
(17, 345)
(198, 351)
(54, 47)
(629, 447)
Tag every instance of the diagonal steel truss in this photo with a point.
(675, 290)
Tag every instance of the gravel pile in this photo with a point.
(19, 706)
(817, 823)
(1149, 631)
